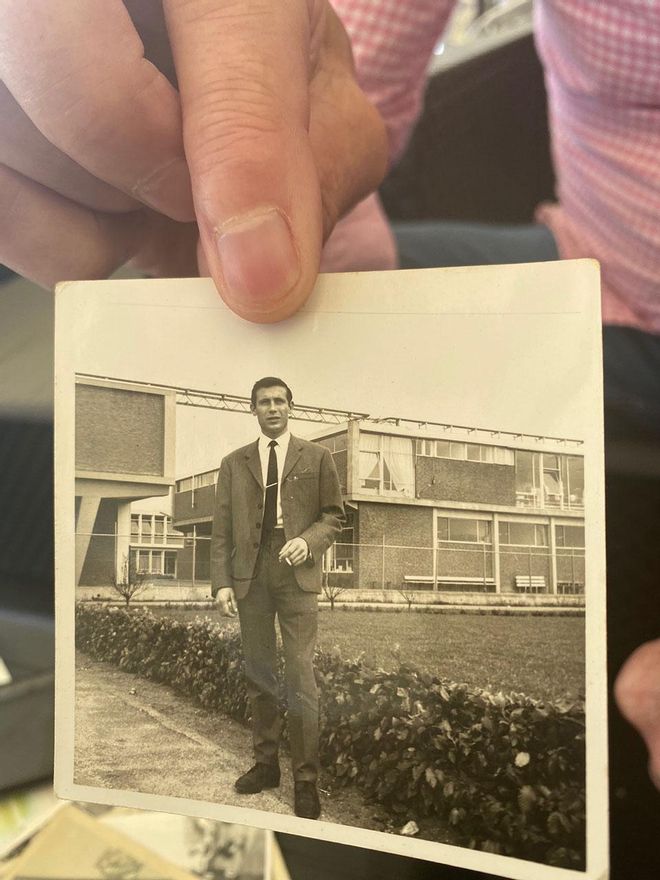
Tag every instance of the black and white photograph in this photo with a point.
(341, 577)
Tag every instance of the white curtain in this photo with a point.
(398, 456)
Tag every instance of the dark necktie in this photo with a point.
(270, 502)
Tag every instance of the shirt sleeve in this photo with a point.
(392, 43)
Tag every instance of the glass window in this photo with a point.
(524, 534)
(170, 562)
(159, 528)
(443, 448)
(370, 462)
(487, 454)
(473, 531)
(386, 464)
(473, 451)
(569, 536)
(458, 451)
(574, 482)
(443, 528)
(503, 456)
(146, 529)
(464, 530)
(135, 526)
(524, 471)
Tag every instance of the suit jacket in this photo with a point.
(311, 508)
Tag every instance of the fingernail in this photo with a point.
(258, 258)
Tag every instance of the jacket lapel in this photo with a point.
(293, 453)
(254, 463)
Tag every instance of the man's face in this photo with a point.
(272, 410)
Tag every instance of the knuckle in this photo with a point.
(230, 119)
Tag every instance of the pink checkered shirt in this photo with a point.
(602, 68)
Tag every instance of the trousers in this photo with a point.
(274, 592)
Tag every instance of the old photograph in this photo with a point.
(342, 577)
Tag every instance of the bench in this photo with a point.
(570, 588)
(530, 583)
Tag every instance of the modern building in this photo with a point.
(125, 441)
(436, 507)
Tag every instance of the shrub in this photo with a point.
(507, 772)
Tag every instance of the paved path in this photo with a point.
(138, 735)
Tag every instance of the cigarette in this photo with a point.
(287, 560)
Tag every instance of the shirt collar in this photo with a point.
(282, 442)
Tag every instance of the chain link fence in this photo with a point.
(110, 560)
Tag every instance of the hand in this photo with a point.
(637, 692)
(279, 142)
(295, 551)
(225, 599)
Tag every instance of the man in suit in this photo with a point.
(278, 508)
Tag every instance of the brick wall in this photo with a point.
(184, 509)
(403, 526)
(444, 479)
(536, 561)
(119, 431)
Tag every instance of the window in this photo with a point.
(501, 455)
(569, 536)
(153, 528)
(525, 478)
(184, 485)
(464, 530)
(155, 562)
(386, 465)
(552, 483)
(340, 555)
(523, 534)
(473, 451)
(545, 479)
(573, 481)
(464, 451)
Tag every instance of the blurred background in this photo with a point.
(480, 152)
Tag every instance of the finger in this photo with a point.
(245, 115)
(637, 692)
(90, 91)
(26, 150)
(347, 134)
(48, 238)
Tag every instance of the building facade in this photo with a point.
(436, 508)
(125, 443)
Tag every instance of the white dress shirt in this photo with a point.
(280, 452)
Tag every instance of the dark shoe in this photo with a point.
(306, 804)
(257, 778)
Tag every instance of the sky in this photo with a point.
(511, 348)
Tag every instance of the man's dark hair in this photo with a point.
(268, 382)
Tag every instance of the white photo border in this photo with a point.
(562, 288)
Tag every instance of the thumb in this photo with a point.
(243, 76)
(637, 692)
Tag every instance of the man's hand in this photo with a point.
(637, 692)
(127, 132)
(294, 552)
(225, 599)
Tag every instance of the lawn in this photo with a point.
(542, 657)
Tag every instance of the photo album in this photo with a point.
(341, 577)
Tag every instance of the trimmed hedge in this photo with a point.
(507, 772)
